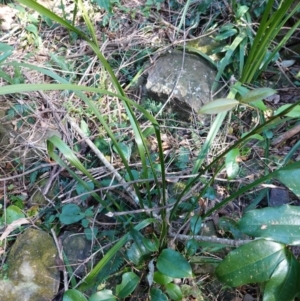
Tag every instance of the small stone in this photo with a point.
(77, 249)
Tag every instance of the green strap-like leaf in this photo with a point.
(218, 106)
(257, 94)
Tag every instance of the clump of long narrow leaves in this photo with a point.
(255, 63)
(138, 133)
(260, 54)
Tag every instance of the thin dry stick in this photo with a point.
(99, 154)
(27, 172)
(287, 135)
(60, 254)
(223, 241)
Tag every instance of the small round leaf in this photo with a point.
(105, 295)
(73, 295)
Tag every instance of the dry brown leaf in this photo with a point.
(15, 224)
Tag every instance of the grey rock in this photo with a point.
(32, 272)
(278, 197)
(187, 77)
(77, 249)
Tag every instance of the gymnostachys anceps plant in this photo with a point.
(143, 248)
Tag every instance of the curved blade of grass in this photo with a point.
(281, 43)
(140, 141)
(89, 281)
(226, 60)
(269, 27)
(53, 142)
(88, 22)
(182, 19)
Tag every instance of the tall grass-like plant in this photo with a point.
(169, 262)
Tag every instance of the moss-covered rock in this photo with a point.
(32, 269)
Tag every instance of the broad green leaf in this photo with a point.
(85, 128)
(173, 264)
(82, 189)
(152, 245)
(135, 174)
(232, 166)
(218, 106)
(260, 105)
(5, 52)
(284, 283)
(162, 278)
(174, 291)
(104, 4)
(105, 295)
(210, 193)
(70, 214)
(12, 213)
(241, 11)
(254, 262)
(294, 112)
(228, 224)
(126, 150)
(73, 295)
(5, 47)
(196, 224)
(33, 29)
(290, 178)
(157, 295)
(280, 224)
(138, 252)
(191, 247)
(129, 282)
(257, 94)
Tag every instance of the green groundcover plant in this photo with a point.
(268, 259)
